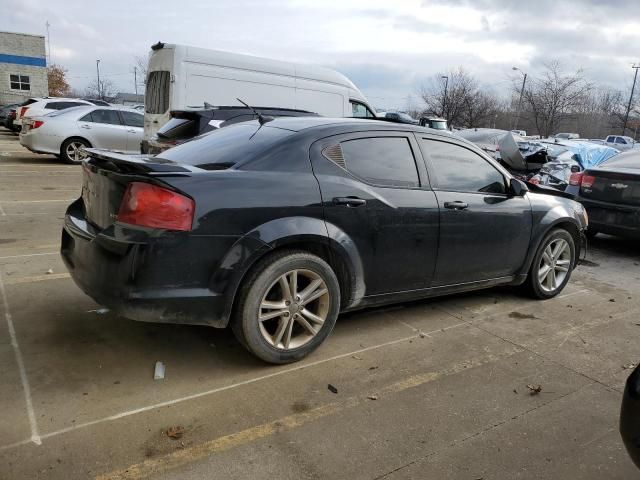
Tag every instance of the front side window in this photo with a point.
(132, 119)
(157, 94)
(358, 110)
(19, 82)
(386, 161)
(109, 117)
(459, 169)
(611, 139)
(621, 140)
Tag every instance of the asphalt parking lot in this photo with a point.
(433, 389)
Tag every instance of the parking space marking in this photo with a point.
(35, 436)
(238, 384)
(28, 255)
(190, 454)
(38, 278)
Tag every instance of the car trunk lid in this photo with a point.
(106, 176)
(609, 186)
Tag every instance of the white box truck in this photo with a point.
(179, 77)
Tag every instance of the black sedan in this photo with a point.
(611, 195)
(276, 228)
(630, 416)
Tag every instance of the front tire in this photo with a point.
(552, 265)
(287, 307)
(71, 150)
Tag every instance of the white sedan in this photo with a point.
(66, 133)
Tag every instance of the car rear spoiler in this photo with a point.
(125, 163)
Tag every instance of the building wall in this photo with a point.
(23, 55)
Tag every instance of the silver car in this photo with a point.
(66, 133)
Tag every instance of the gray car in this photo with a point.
(66, 133)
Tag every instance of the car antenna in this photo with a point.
(262, 119)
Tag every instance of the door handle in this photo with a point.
(88, 127)
(131, 130)
(457, 205)
(349, 201)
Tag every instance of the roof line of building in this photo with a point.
(21, 33)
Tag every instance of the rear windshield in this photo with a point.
(225, 147)
(177, 128)
(157, 94)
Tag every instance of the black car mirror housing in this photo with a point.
(517, 188)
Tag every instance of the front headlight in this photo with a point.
(581, 212)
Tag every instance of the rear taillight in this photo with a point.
(587, 181)
(36, 124)
(23, 110)
(151, 206)
(575, 178)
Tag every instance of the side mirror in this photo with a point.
(517, 187)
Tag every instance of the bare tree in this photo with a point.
(554, 97)
(457, 97)
(141, 64)
(106, 90)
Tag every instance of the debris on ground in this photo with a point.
(175, 432)
(521, 316)
(332, 389)
(158, 373)
(629, 366)
(515, 391)
(612, 299)
(356, 357)
(99, 311)
(534, 389)
(422, 334)
(372, 397)
(373, 368)
(50, 271)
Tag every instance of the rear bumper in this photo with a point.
(621, 220)
(38, 143)
(630, 416)
(150, 278)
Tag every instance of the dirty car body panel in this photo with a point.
(294, 183)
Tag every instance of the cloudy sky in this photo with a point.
(387, 47)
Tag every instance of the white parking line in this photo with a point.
(232, 386)
(35, 436)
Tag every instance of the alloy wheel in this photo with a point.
(554, 265)
(293, 309)
(75, 151)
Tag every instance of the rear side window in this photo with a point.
(177, 128)
(132, 119)
(227, 146)
(386, 161)
(459, 169)
(62, 105)
(157, 94)
(109, 117)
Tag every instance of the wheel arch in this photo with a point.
(291, 233)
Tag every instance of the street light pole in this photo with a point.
(135, 81)
(98, 71)
(626, 117)
(444, 101)
(524, 81)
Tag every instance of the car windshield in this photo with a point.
(439, 124)
(225, 147)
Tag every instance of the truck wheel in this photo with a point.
(287, 306)
(552, 265)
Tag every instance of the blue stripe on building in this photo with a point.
(22, 60)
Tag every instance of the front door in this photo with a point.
(484, 230)
(103, 128)
(377, 196)
(134, 123)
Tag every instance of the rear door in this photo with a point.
(104, 129)
(484, 231)
(134, 123)
(375, 192)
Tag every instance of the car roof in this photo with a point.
(297, 124)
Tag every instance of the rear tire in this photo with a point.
(552, 265)
(286, 307)
(70, 151)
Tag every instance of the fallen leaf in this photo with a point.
(372, 397)
(534, 389)
(629, 366)
(50, 271)
(175, 432)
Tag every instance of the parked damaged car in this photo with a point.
(276, 227)
(183, 125)
(611, 194)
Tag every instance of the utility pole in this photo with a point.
(444, 101)
(626, 117)
(48, 43)
(524, 80)
(98, 71)
(135, 81)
